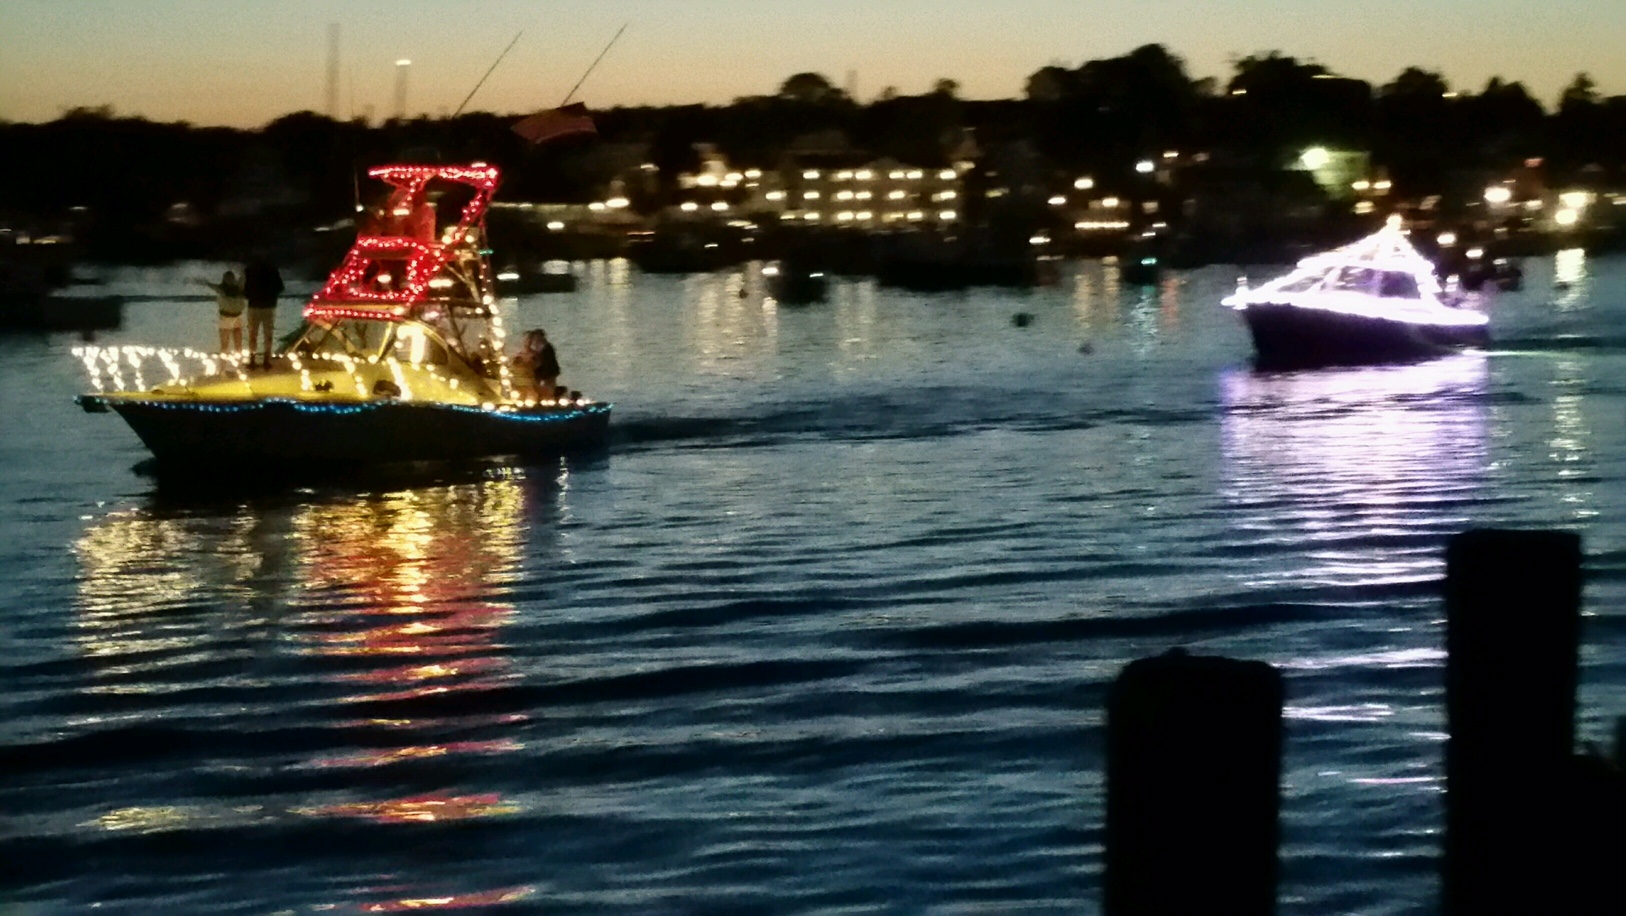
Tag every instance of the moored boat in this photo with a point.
(528, 278)
(400, 358)
(793, 282)
(1375, 300)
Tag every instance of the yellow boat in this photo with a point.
(400, 358)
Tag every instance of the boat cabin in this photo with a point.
(461, 347)
(1387, 284)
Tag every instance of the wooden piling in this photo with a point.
(1513, 622)
(1194, 747)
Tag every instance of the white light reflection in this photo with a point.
(1349, 467)
(1570, 275)
(1356, 712)
(1568, 447)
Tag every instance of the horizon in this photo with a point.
(147, 60)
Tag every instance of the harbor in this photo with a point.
(945, 536)
(809, 459)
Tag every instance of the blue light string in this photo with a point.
(344, 409)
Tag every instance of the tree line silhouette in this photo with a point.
(117, 173)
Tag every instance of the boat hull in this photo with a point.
(797, 289)
(1290, 336)
(287, 434)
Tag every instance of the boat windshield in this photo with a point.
(1302, 284)
(350, 337)
(1352, 279)
(414, 345)
(407, 342)
(1396, 285)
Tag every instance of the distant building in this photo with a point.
(862, 193)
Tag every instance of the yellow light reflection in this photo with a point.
(393, 589)
(452, 901)
(421, 809)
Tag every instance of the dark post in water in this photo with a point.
(1194, 750)
(1513, 622)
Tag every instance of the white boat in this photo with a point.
(1375, 300)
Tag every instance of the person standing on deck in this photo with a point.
(262, 284)
(229, 299)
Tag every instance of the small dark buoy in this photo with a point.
(1022, 319)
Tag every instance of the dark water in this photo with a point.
(828, 628)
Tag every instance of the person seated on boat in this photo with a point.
(230, 304)
(546, 365)
(536, 367)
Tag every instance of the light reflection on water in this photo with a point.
(824, 645)
(1351, 461)
(391, 596)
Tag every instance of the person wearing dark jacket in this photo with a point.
(547, 365)
(262, 284)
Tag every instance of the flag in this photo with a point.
(556, 122)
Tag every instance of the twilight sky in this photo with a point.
(245, 62)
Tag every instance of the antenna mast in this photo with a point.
(493, 66)
(572, 93)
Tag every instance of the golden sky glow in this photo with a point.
(245, 62)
